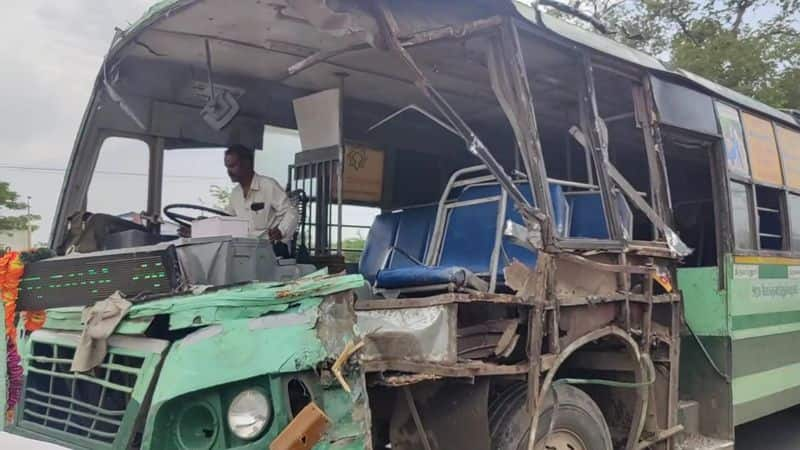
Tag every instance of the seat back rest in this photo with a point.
(377, 248)
(414, 227)
(588, 219)
(471, 230)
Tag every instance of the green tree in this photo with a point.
(221, 196)
(353, 246)
(10, 207)
(751, 46)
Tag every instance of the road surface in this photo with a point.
(776, 432)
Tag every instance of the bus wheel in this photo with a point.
(579, 423)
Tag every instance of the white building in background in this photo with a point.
(14, 239)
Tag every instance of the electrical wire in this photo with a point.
(713, 364)
(106, 172)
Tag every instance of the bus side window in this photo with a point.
(741, 207)
(793, 201)
(770, 218)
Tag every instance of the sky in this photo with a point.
(51, 53)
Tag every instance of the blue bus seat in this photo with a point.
(414, 228)
(588, 219)
(396, 239)
(377, 248)
(468, 242)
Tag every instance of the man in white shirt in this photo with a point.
(258, 198)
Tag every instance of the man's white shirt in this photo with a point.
(278, 211)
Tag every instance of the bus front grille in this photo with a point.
(87, 406)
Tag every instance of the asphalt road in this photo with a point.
(776, 432)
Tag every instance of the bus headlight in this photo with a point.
(249, 414)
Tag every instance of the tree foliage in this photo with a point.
(10, 206)
(221, 196)
(751, 46)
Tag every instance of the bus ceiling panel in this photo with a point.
(226, 57)
(389, 90)
(253, 22)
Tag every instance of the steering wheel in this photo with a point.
(184, 220)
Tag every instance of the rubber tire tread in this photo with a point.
(576, 412)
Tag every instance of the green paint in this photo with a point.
(145, 376)
(773, 271)
(256, 333)
(765, 320)
(763, 353)
(764, 406)
(762, 384)
(238, 353)
(186, 311)
(704, 304)
(69, 319)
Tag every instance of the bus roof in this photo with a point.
(570, 32)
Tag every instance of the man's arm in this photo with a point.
(286, 216)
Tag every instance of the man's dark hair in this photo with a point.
(242, 152)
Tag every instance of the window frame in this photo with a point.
(751, 185)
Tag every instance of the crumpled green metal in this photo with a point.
(217, 306)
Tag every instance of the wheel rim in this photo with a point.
(561, 440)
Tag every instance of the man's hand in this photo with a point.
(275, 234)
(184, 231)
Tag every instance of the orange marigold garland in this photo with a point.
(11, 270)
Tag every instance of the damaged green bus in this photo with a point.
(572, 239)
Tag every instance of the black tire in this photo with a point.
(577, 414)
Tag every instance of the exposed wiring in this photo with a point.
(710, 360)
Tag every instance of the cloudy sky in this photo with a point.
(50, 54)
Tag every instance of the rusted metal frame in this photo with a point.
(523, 121)
(658, 146)
(554, 344)
(539, 290)
(457, 370)
(645, 120)
(590, 117)
(578, 244)
(535, 399)
(647, 325)
(674, 367)
(571, 302)
(621, 268)
(459, 31)
(441, 299)
(388, 26)
(625, 278)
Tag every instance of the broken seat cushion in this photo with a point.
(416, 276)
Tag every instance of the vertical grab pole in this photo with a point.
(340, 163)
